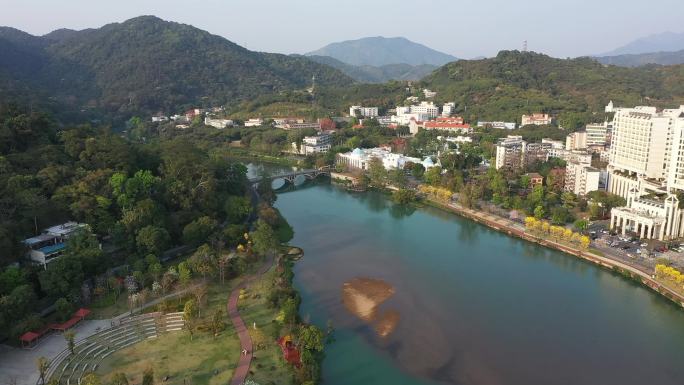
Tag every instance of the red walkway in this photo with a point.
(245, 341)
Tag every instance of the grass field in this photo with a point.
(206, 360)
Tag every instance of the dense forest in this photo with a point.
(144, 65)
(138, 199)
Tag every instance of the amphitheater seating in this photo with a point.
(90, 352)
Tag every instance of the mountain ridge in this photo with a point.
(378, 51)
(661, 42)
(145, 65)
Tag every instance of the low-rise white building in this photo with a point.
(536, 119)
(50, 244)
(313, 144)
(429, 94)
(217, 123)
(497, 125)
(359, 159)
(254, 122)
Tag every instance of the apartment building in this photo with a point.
(576, 141)
(363, 112)
(509, 152)
(646, 168)
(581, 178)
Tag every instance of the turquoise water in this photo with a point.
(475, 306)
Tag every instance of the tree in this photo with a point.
(200, 293)
(62, 277)
(397, 177)
(184, 273)
(265, 240)
(153, 239)
(569, 199)
(237, 209)
(377, 172)
(70, 337)
(42, 365)
(203, 260)
(10, 278)
(403, 196)
(64, 308)
(189, 309)
(584, 242)
(433, 176)
(217, 322)
(197, 232)
(581, 224)
(289, 311)
(539, 212)
(148, 376)
(417, 170)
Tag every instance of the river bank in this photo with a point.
(513, 229)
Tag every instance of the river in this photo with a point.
(471, 305)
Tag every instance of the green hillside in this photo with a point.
(145, 65)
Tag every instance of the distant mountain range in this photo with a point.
(380, 59)
(377, 74)
(662, 42)
(145, 65)
(380, 51)
(637, 60)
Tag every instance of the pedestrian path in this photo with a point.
(242, 369)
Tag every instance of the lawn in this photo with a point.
(268, 366)
(205, 360)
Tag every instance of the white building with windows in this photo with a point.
(581, 178)
(50, 244)
(359, 159)
(448, 109)
(646, 168)
(363, 112)
(313, 144)
(497, 125)
(509, 152)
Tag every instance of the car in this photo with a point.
(626, 247)
(644, 244)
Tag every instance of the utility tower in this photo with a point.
(525, 46)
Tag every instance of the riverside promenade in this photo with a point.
(509, 227)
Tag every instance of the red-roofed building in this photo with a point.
(454, 124)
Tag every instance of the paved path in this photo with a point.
(242, 368)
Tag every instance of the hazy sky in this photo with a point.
(463, 28)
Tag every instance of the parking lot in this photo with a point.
(632, 250)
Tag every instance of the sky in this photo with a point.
(463, 28)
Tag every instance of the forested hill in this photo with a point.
(515, 82)
(146, 64)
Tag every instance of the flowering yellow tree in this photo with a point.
(669, 273)
(584, 242)
(567, 235)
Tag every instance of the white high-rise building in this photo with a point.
(581, 178)
(646, 168)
